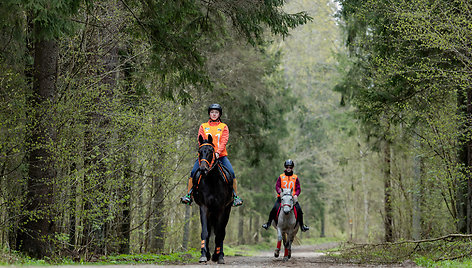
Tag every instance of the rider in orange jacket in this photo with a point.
(220, 133)
(287, 180)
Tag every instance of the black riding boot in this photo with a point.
(269, 221)
(272, 215)
(303, 227)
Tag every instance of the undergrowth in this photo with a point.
(18, 259)
(453, 250)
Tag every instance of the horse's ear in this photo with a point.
(200, 139)
(210, 139)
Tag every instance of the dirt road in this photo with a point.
(302, 256)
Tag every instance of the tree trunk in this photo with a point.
(125, 214)
(33, 238)
(464, 187)
(157, 218)
(388, 220)
(322, 221)
(241, 240)
(417, 184)
(186, 234)
(365, 196)
(468, 146)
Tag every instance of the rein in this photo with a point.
(210, 165)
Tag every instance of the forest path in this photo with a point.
(302, 256)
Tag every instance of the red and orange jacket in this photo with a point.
(285, 181)
(220, 133)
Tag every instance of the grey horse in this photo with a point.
(287, 225)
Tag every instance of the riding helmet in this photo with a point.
(289, 162)
(215, 106)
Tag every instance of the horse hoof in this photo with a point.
(276, 253)
(285, 258)
(221, 260)
(203, 259)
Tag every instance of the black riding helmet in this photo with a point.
(215, 106)
(288, 163)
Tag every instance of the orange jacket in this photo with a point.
(287, 182)
(220, 133)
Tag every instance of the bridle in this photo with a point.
(210, 164)
(288, 205)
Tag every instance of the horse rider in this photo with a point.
(220, 133)
(287, 180)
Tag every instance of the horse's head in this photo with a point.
(286, 200)
(206, 154)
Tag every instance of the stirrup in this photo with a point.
(237, 201)
(186, 200)
(304, 228)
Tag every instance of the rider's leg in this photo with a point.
(272, 214)
(187, 199)
(225, 162)
(303, 227)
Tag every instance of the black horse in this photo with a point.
(214, 194)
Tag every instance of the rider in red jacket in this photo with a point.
(220, 133)
(287, 180)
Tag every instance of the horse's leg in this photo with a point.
(289, 247)
(205, 234)
(279, 242)
(286, 240)
(220, 233)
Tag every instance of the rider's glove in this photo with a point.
(295, 198)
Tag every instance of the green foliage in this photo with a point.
(50, 18)
(190, 256)
(181, 32)
(425, 252)
(427, 262)
(406, 76)
(310, 70)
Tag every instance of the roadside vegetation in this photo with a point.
(447, 251)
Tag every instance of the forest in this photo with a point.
(101, 102)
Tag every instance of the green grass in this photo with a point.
(425, 262)
(180, 257)
(190, 256)
(247, 250)
(17, 259)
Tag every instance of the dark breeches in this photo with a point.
(275, 208)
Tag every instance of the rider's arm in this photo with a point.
(297, 187)
(223, 140)
(201, 132)
(278, 184)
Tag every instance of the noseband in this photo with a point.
(288, 205)
(210, 165)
